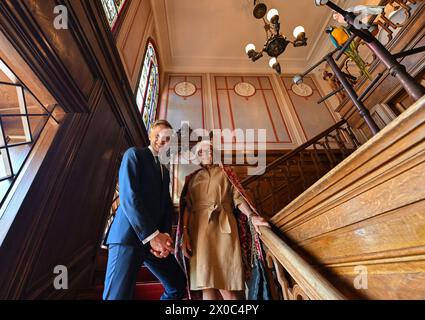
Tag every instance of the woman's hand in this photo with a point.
(258, 222)
(186, 246)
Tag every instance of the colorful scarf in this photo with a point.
(252, 252)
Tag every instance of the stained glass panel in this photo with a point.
(112, 9)
(148, 89)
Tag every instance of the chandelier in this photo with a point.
(276, 43)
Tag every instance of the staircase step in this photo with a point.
(147, 286)
(91, 293)
(148, 291)
(146, 276)
(143, 291)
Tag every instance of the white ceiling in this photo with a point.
(211, 35)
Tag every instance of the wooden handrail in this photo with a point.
(312, 282)
(296, 150)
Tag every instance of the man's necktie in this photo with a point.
(158, 167)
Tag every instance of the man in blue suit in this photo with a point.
(141, 229)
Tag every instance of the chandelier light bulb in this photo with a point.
(298, 30)
(249, 47)
(321, 2)
(272, 62)
(272, 13)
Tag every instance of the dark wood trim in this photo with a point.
(27, 241)
(121, 17)
(78, 267)
(126, 112)
(26, 233)
(18, 25)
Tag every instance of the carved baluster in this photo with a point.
(273, 280)
(298, 293)
(288, 293)
(340, 144)
(328, 155)
(328, 148)
(258, 194)
(265, 191)
(292, 173)
(300, 165)
(356, 144)
(287, 176)
(272, 191)
(316, 161)
(282, 185)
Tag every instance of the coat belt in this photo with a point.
(221, 210)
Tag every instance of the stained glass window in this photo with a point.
(148, 88)
(112, 9)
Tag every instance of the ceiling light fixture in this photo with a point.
(276, 43)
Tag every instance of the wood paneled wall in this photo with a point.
(314, 118)
(364, 222)
(259, 111)
(136, 28)
(290, 120)
(178, 109)
(61, 219)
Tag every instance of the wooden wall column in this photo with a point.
(61, 220)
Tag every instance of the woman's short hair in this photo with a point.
(198, 147)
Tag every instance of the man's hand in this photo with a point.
(162, 245)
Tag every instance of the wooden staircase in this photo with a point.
(290, 175)
(359, 231)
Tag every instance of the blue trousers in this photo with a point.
(124, 263)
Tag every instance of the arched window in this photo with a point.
(112, 10)
(148, 88)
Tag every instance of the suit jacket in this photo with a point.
(145, 202)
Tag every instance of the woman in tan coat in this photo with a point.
(210, 239)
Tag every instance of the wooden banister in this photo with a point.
(366, 218)
(312, 283)
(290, 175)
(302, 147)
